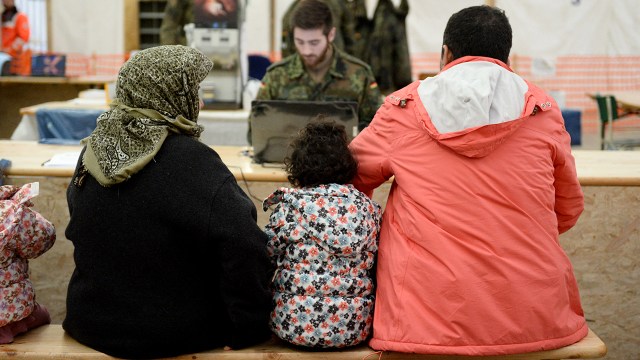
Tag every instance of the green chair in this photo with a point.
(609, 112)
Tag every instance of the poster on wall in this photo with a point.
(217, 14)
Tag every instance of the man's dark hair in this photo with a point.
(312, 14)
(320, 155)
(479, 31)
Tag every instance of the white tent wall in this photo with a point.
(425, 24)
(569, 47)
(570, 27)
(541, 27)
(87, 26)
(90, 33)
(573, 48)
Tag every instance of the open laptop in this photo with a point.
(274, 123)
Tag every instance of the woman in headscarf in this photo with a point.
(168, 257)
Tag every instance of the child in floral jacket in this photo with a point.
(323, 240)
(24, 234)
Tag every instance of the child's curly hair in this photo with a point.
(320, 155)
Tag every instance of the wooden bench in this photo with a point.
(51, 342)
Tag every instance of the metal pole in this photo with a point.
(272, 30)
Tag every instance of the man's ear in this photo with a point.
(332, 34)
(446, 56)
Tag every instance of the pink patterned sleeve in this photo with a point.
(34, 235)
(25, 230)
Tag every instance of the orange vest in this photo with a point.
(15, 33)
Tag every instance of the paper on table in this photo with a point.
(67, 159)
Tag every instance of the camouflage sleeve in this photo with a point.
(175, 17)
(264, 93)
(371, 101)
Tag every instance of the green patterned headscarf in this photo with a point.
(157, 94)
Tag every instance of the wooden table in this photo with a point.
(627, 100)
(70, 104)
(27, 159)
(82, 80)
(17, 92)
(221, 127)
(599, 168)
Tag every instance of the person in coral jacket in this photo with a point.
(469, 259)
(15, 29)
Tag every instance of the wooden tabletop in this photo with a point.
(79, 104)
(628, 100)
(594, 167)
(31, 110)
(27, 159)
(81, 80)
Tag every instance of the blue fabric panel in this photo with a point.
(66, 126)
(573, 124)
(4, 164)
(258, 65)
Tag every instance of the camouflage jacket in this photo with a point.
(362, 27)
(387, 48)
(342, 20)
(348, 79)
(177, 13)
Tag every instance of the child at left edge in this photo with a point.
(24, 234)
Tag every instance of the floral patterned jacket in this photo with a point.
(24, 234)
(323, 241)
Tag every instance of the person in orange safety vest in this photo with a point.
(15, 28)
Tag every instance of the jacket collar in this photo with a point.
(465, 59)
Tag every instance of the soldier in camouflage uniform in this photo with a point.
(342, 20)
(319, 70)
(177, 14)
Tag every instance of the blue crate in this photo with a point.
(48, 65)
(573, 124)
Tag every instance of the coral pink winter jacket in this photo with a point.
(484, 182)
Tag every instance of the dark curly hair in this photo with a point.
(311, 15)
(320, 155)
(479, 31)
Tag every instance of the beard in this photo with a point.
(313, 61)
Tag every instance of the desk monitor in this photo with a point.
(274, 123)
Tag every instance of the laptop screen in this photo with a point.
(275, 123)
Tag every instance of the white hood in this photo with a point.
(472, 94)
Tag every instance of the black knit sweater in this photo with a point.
(170, 261)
